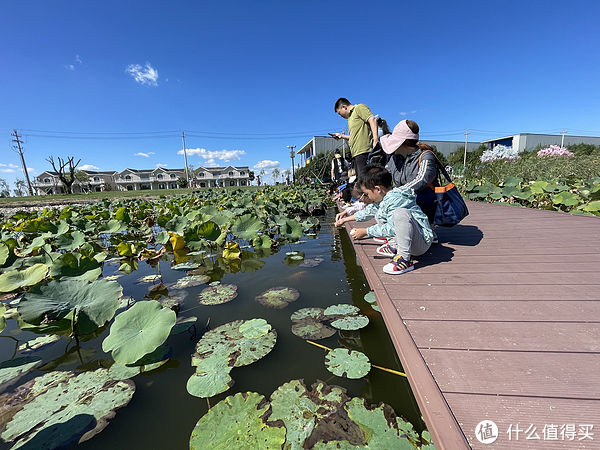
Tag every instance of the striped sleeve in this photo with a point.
(426, 174)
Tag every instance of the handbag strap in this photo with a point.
(438, 164)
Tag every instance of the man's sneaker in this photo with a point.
(435, 238)
(398, 265)
(386, 250)
(380, 240)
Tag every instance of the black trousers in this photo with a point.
(359, 162)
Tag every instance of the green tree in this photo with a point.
(20, 189)
(4, 191)
(276, 173)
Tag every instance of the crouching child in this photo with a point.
(399, 219)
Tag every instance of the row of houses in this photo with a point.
(144, 179)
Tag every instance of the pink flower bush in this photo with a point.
(554, 150)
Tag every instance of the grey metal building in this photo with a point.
(531, 141)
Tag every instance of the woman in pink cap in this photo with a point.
(411, 166)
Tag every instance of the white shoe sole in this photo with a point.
(389, 269)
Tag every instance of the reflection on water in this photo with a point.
(162, 414)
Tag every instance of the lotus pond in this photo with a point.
(225, 319)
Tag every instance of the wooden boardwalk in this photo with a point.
(500, 322)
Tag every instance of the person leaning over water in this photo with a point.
(412, 165)
(362, 131)
(399, 219)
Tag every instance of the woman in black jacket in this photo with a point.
(412, 165)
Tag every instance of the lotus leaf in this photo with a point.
(216, 295)
(592, 206)
(190, 281)
(76, 265)
(162, 237)
(341, 309)
(229, 339)
(138, 331)
(66, 242)
(51, 404)
(238, 421)
(262, 241)
(291, 253)
(126, 249)
(370, 298)
(380, 426)
(310, 324)
(16, 279)
(347, 363)
(212, 374)
(247, 226)
(350, 322)
(254, 328)
(231, 250)
(312, 262)
(147, 363)
(296, 257)
(157, 291)
(3, 253)
(300, 409)
(38, 343)
(278, 297)
(209, 231)
(60, 303)
(122, 215)
(113, 277)
(185, 266)
(177, 241)
(183, 324)
(292, 230)
(13, 369)
(149, 279)
(2, 319)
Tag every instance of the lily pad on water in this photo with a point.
(312, 262)
(56, 305)
(138, 331)
(346, 317)
(46, 410)
(147, 363)
(347, 363)
(370, 298)
(186, 266)
(237, 422)
(301, 409)
(183, 324)
(310, 323)
(2, 319)
(38, 343)
(149, 279)
(278, 297)
(190, 281)
(16, 279)
(234, 344)
(13, 369)
(218, 294)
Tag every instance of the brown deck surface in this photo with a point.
(501, 322)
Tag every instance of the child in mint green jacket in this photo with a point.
(399, 219)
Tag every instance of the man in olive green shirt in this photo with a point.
(362, 132)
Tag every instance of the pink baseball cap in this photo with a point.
(391, 142)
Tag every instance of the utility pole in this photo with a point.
(562, 141)
(292, 154)
(187, 177)
(20, 150)
(465, 157)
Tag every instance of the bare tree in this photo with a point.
(4, 190)
(276, 173)
(65, 171)
(20, 189)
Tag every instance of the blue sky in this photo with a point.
(246, 78)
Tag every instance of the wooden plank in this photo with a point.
(511, 336)
(496, 266)
(537, 374)
(541, 413)
(491, 292)
(491, 310)
(481, 279)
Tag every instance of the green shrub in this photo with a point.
(584, 149)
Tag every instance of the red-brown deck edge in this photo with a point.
(441, 423)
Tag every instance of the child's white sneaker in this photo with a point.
(386, 250)
(398, 266)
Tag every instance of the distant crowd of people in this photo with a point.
(388, 176)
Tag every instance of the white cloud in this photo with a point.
(404, 113)
(161, 165)
(78, 59)
(70, 67)
(266, 164)
(8, 168)
(89, 167)
(211, 156)
(144, 75)
(32, 170)
(145, 155)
